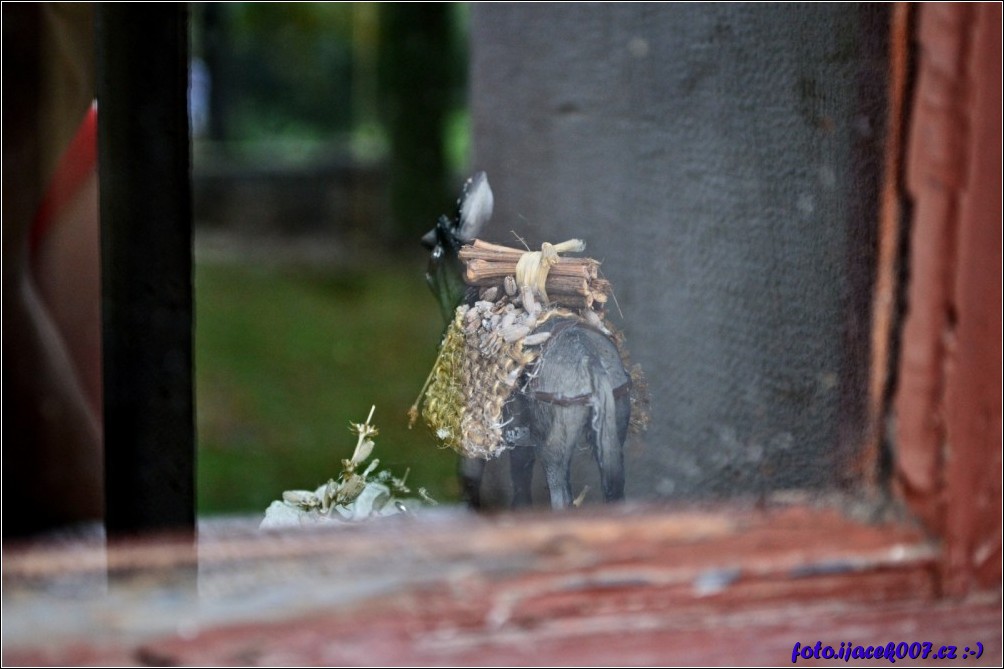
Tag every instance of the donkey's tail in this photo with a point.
(609, 454)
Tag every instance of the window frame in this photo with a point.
(642, 583)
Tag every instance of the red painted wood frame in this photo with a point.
(948, 403)
(643, 585)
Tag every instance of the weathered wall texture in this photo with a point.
(723, 162)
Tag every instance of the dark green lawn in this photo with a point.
(286, 357)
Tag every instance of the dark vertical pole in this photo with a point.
(146, 238)
(415, 83)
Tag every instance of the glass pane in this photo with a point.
(723, 162)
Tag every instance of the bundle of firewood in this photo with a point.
(570, 282)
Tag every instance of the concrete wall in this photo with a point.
(723, 162)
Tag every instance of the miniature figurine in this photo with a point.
(528, 363)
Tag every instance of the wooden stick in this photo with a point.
(493, 275)
(493, 254)
(478, 268)
(571, 282)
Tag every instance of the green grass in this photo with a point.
(285, 358)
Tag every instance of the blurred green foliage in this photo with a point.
(294, 67)
(375, 79)
(287, 357)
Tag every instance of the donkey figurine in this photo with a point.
(577, 389)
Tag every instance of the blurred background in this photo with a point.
(726, 173)
(327, 139)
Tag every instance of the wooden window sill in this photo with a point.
(619, 585)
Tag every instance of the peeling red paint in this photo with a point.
(725, 586)
(948, 406)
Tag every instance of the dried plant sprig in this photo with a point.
(344, 491)
(364, 444)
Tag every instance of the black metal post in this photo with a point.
(146, 244)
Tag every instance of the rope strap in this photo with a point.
(533, 266)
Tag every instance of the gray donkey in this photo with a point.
(577, 389)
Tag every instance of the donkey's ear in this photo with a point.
(429, 239)
(476, 206)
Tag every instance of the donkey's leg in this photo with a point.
(521, 459)
(566, 428)
(471, 472)
(609, 428)
(516, 434)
